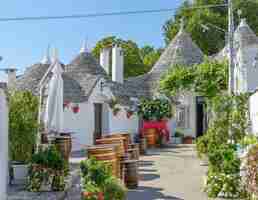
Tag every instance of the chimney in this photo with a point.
(11, 73)
(104, 59)
(117, 64)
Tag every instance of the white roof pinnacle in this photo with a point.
(46, 59)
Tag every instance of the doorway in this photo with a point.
(200, 116)
(98, 121)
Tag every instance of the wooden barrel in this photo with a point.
(107, 154)
(136, 146)
(117, 141)
(143, 146)
(134, 154)
(151, 137)
(63, 146)
(70, 139)
(126, 136)
(131, 173)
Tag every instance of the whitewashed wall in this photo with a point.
(3, 145)
(253, 105)
(120, 122)
(83, 122)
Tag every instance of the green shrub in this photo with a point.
(155, 109)
(202, 145)
(23, 125)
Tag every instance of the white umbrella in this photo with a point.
(54, 108)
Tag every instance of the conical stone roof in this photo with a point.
(244, 36)
(31, 78)
(182, 50)
(86, 72)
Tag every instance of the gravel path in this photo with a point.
(172, 173)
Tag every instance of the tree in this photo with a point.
(137, 60)
(212, 40)
(150, 55)
(132, 60)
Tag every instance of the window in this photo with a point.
(182, 115)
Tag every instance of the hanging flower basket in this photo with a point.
(76, 108)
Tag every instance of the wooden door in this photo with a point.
(98, 121)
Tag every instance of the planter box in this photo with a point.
(20, 173)
(177, 140)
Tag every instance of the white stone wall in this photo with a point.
(120, 122)
(3, 145)
(82, 124)
(253, 106)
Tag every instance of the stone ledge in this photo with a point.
(19, 192)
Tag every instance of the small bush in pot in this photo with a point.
(47, 171)
(178, 137)
(98, 182)
(23, 126)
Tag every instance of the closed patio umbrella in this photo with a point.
(53, 117)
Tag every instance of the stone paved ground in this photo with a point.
(172, 173)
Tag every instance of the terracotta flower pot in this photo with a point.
(188, 140)
(89, 195)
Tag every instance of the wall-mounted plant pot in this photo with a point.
(177, 140)
(19, 172)
(188, 140)
(76, 109)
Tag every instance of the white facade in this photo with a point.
(82, 124)
(3, 145)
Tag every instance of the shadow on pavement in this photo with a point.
(148, 177)
(144, 163)
(149, 193)
(147, 170)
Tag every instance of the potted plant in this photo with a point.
(188, 140)
(178, 137)
(113, 105)
(23, 127)
(47, 171)
(98, 182)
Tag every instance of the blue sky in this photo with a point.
(24, 43)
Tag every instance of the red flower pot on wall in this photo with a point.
(76, 108)
(129, 114)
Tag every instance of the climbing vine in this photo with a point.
(207, 79)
